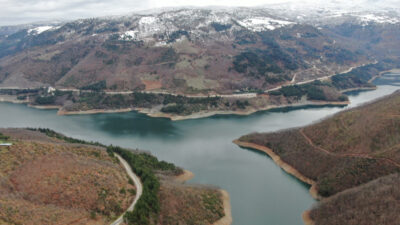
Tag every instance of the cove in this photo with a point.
(261, 193)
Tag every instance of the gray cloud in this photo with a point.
(27, 11)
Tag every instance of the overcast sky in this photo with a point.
(27, 11)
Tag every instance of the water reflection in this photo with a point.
(136, 124)
(284, 173)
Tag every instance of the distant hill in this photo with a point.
(232, 60)
(194, 50)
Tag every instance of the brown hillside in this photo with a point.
(184, 204)
(344, 151)
(376, 201)
(181, 51)
(44, 181)
(48, 178)
(370, 129)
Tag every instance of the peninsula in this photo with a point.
(343, 158)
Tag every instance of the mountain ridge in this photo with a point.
(199, 52)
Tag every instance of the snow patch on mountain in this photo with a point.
(38, 30)
(258, 24)
(147, 20)
(365, 19)
(128, 35)
(160, 44)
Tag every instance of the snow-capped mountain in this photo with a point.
(198, 21)
(200, 49)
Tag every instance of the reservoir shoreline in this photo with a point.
(285, 166)
(227, 218)
(152, 112)
(199, 115)
(205, 147)
(288, 169)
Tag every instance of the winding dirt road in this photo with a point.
(358, 155)
(138, 185)
(293, 81)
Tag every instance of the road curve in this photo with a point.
(292, 82)
(138, 185)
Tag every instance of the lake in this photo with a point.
(261, 193)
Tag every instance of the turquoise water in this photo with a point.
(261, 193)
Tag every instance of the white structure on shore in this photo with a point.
(50, 90)
(5, 144)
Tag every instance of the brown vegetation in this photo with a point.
(184, 204)
(353, 156)
(44, 181)
(48, 178)
(152, 84)
(349, 149)
(369, 130)
(377, 202)
(82, 53)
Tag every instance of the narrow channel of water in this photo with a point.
(261, 193)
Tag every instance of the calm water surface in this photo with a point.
(261, 193)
